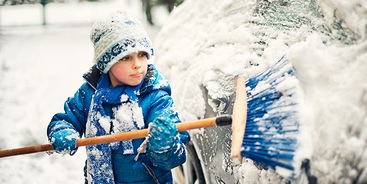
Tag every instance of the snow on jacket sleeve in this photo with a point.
(163, 106)
(75, 112)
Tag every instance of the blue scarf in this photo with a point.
(99, 165)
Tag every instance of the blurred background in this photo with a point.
(42, 9)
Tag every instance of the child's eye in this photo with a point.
(125, 58)
(143, 54)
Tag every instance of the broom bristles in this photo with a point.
(272, 118)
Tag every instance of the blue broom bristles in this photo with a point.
(272, 118)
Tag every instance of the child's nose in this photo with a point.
(136, 63)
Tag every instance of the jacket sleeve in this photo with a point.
(75, 112)
(163, 105)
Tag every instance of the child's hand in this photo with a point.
(64, 141)
(162, 135)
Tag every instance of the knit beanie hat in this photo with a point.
(117, 36)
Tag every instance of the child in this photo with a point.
(122, 93)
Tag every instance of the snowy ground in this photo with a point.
(37, 72)
(39, 68)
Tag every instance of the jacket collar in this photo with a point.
(92, 76)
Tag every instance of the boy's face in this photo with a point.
(130, 70)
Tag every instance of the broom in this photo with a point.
(203, 123)
(268, 134)
(267, 114)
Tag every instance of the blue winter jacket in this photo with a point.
(153, 99)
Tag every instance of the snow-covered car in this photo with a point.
(206, 44)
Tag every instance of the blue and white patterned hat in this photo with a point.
(117, 36)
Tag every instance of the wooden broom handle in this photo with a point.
(203, 123)
(143, 132)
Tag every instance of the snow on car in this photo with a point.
(207, 44)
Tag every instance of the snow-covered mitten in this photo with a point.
(164, 147)
(63, 138)
(163, 135)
